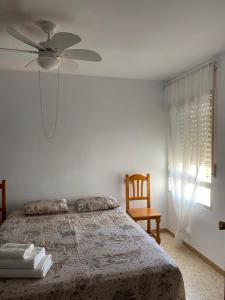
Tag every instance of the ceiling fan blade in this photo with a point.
(18, 50)
(82, 54)
(30, 63)
(62, 40)
(19, 36)
(68, 64)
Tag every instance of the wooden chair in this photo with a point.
(3, 196)
(135, 191)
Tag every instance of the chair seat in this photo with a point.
(143, 213)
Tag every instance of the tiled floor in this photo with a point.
(200, 280)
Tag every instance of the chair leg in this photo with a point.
(148, 226)
(158, 239)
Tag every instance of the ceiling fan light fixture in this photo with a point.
(48, 61)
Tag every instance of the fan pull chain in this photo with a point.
(51, 136)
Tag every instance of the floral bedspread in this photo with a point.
(97, 255)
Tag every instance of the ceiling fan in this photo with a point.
(54, 51)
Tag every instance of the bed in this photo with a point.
(97, 255)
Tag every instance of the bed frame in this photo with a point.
(3, 196)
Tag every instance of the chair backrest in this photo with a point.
(137, 188)
(3, 196)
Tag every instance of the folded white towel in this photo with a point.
(29, 262)
(39, 272)
(10, 250)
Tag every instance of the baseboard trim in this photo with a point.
(199, 254)
(162, 230)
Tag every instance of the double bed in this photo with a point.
(97, 255)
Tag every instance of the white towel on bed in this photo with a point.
(10, 250)
(39, 272)
(29, 262)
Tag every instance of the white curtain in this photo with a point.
(190, 101)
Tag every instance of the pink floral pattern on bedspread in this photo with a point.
(97, 255)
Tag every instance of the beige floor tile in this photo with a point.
(200, 280)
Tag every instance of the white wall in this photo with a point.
(204, 234)
(106, 128)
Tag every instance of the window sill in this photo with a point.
(204, 205)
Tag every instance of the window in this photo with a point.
(203, 190)
(194, 132)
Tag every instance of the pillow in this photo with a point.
(95, 203)
(45, 207)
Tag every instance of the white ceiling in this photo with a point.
(149, 39)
